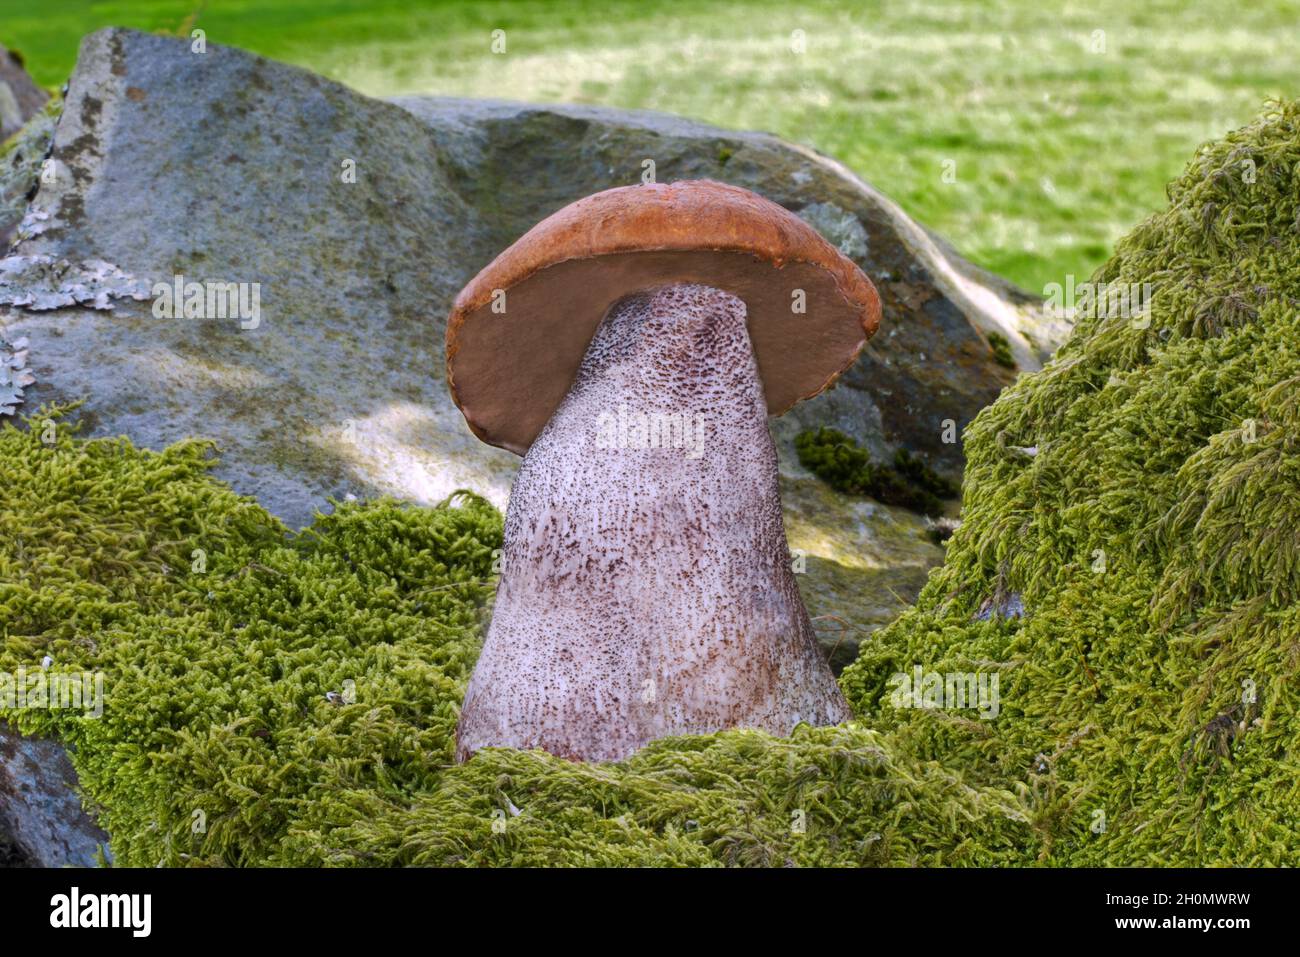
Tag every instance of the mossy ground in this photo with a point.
(252, 689)
(220, 744)
(1140, 496)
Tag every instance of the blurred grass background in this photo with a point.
(1058, 128)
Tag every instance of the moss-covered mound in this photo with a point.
(1140, 497)
(1129, 569)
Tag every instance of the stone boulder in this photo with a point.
(20, 98)
(42, 823)
(360, 219)
(26, 128)
(350, 223)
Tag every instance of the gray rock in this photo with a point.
(220, 166)
(39, 811)
(22, 158)
(1004, 605)
(20, 98)
(21, 103)
(929, 363)
(841, 229)
(40, 283)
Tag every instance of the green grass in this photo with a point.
(1057, 149)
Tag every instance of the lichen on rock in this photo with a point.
(22, 162)
(40, 283)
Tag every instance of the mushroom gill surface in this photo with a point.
(646, 586)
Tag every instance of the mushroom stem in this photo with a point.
(646, 586)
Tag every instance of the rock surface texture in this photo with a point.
(20, 98)
(39, 811)
(26, 128)
(338, 387)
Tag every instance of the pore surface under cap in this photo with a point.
(509, 369)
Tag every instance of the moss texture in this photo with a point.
(1138, 499)
(250, 690)
(1141, 495)
(1001, 347)
(847, 467)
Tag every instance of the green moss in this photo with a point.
(825, 796)
(846, 467)
(253, 688)
(297, 697)
(1001, 347)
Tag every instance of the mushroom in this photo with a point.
(630, 347)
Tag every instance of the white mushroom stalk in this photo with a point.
(646, 586)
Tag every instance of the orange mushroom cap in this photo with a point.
(518, 331)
